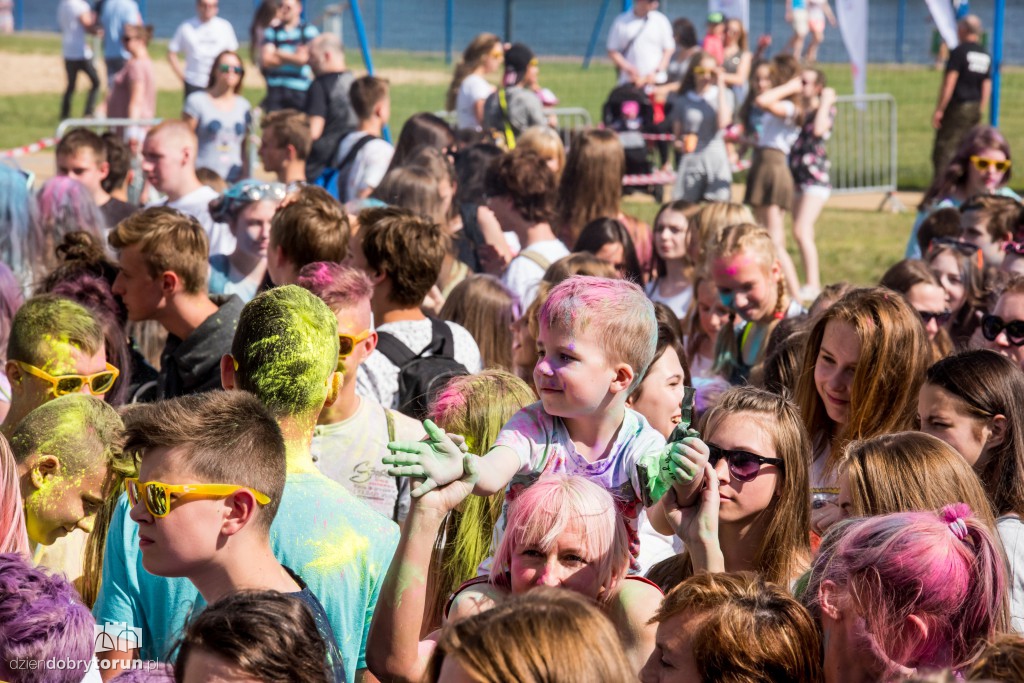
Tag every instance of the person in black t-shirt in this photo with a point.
(964, 93)
(86, 157)
(327, 102)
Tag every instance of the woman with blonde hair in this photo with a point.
(545, 636)
(907, 472)
(864, 362)
(591, 188)
(754, 512)
(485, 307)
(469, 89)
(546, 143)
(740, 628)
(708, 223)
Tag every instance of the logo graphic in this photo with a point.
(119, 637)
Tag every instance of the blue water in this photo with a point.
(564, 27)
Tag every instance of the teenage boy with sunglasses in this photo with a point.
(352, 434)
(285, 352)
(211, 476)
(55, 347)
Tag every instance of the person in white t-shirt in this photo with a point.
(521, 192)
(169, 164)
(640, 43)
(201, 39)
(76, 19)
(469, 88)
(362, 163)
(352, 434)
(402, 254)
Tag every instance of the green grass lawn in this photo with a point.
(855, 246)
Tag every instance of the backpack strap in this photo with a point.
(394, 350)
(442, 343)
(510, 136)
(534, 256)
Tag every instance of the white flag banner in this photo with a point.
(944, 17)
(853, 25)
(732, 9)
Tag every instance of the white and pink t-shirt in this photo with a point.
(543, 445)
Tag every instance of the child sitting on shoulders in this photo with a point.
(596, 340)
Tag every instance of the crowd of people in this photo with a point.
(442, 410)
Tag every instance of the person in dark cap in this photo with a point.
(515, 106)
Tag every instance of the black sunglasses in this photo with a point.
(743, 465)
(942, 317)
(992, 325)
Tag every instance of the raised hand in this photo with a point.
(697, 524)
(446, 498)
(438, 460)
(686, 461)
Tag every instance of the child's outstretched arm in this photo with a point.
(394, 651)
(438, 460)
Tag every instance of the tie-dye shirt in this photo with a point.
(544, 446)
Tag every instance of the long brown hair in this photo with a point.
(474, 55)
(485, 307)
(910, 472)
(894, 354)
(783, 552)
(977, 140)
(989, 385)
(902, 277)
(591, 184)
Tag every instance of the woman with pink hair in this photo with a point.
(563, 531)
(906, 593)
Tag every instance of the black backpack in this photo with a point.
(421, 376)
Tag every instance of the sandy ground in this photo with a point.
(45, 74)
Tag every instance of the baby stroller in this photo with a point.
(629, 112)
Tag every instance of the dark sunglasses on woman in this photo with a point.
(743, 465)
(992, 325)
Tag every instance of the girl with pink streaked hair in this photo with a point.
(906, 593)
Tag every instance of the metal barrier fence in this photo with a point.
(101, 123)
(570, 120)
(863, 144)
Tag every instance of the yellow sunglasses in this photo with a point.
(99, 383)
(158, 495)
(982, 164)
(347, 342)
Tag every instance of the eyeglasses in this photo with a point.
(743, 465)
(228, 68)
(347, 343)
(967, 249)
(942, 317)
(1014, 248)
(157, 495)
(992, 325)
(982, 164)
(99, 383)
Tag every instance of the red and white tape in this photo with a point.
(29, 149)
(656, 178)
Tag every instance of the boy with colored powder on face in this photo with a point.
(55, 345)
(211, 476)
(285, 352)
(164, 267)
(597, 337)
(64, 451)
(352, 435)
